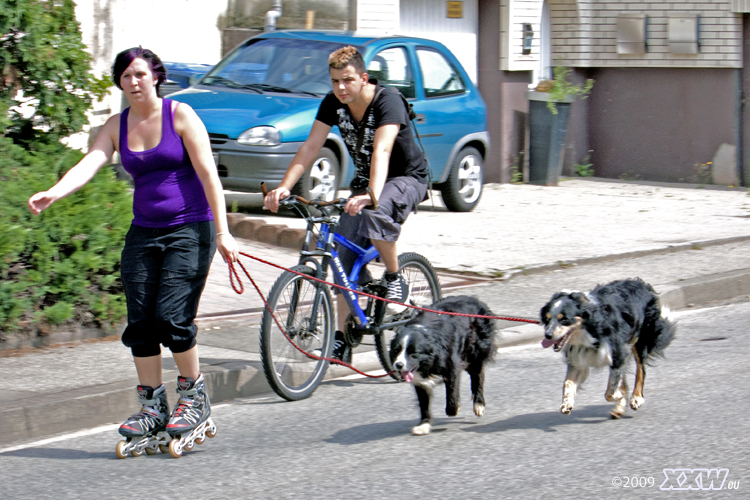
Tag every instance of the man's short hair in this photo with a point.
(346, 56)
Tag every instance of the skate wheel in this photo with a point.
(151, 451)
(164, 448)
(136, 453)
(174, 448)
(200, 440)
(211, 432)
(120, 449)
(188, 447)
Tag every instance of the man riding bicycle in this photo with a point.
(374, 123)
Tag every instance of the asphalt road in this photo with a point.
(352, 438)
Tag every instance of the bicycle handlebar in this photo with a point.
(340, 203)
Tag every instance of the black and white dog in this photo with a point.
(604, 327)
(434, 346)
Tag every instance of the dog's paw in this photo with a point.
(636, 402)
(452, 411)
(478, 409)
(421, 429)
(618, 410)
(566, 408)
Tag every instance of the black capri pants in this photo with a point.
(164, 272)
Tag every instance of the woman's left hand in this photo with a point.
(227, 247)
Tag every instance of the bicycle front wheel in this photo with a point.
(424, 290)
(304, 310)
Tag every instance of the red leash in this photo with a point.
(234, 275)
(239, 289)
(232, 271)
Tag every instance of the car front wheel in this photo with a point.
(462, 190)
(321, 180)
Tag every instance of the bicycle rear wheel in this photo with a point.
(424, 290)
(290, 373)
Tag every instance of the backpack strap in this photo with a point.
(412, 118)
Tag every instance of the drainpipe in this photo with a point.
(272, 15)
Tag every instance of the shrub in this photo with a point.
(64, 263)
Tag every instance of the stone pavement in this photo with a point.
(692, 244)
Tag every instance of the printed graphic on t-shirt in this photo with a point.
(350, 133)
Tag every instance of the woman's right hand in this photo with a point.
(272, 199)
(40, 201)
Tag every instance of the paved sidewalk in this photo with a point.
(692, 244)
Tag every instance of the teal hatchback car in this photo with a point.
(260, 101)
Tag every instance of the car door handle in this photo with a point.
(421, 118)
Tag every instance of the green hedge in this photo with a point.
(63, 265)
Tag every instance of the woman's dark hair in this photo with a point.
(124, 58)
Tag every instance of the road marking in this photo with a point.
(77, 434)
(72, 435)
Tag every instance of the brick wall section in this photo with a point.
(585, 34)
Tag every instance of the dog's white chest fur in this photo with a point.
(581, 352)
(428, 383)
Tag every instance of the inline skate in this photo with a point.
(190, 422)
(146, 430)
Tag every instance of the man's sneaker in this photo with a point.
(341, 349)
(398, 291)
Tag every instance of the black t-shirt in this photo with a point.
(387, 109)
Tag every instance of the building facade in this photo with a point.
(668, 102)
(670, 76)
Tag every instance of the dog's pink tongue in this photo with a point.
(408, 376)
(546, 343)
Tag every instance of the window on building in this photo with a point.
(544, 70)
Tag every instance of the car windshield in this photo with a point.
(276, 65)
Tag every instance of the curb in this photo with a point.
(543, 268)
(713, 287)
(255, 229)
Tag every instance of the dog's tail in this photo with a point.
(665, 331)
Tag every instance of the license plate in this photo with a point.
(216, 159)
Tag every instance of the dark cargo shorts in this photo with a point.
(164, 272)
(400, 197)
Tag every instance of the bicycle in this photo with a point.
(304, 306)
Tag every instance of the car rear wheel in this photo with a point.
(322, 179)
(463, 189)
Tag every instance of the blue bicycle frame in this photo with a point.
(364, 256)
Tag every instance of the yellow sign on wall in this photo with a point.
(455, 10)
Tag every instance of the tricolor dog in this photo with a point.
(434, 348)
(605, 327)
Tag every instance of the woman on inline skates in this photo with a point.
(178, 207)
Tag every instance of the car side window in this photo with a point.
(439, 77)
(391, 67)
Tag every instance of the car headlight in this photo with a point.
(260, 136)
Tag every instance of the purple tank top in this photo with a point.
(168, 191)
